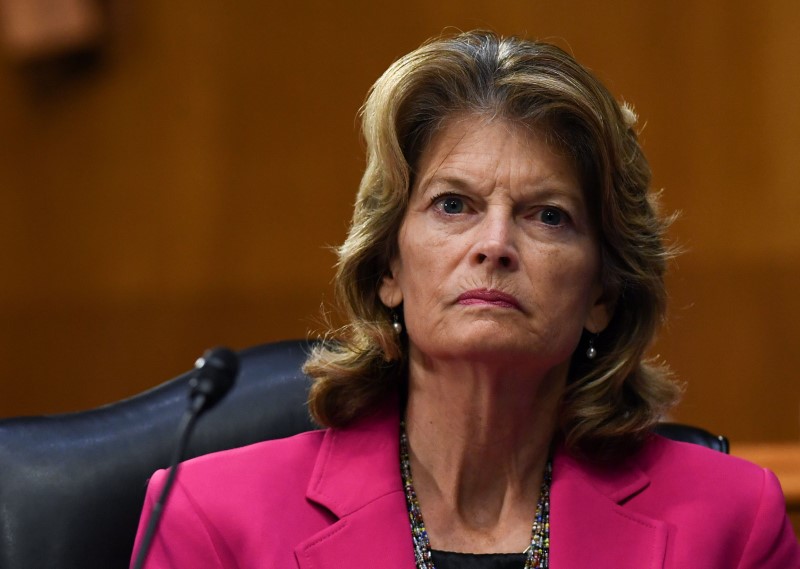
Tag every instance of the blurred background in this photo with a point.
(173, 175)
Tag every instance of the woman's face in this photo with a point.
(497, 253)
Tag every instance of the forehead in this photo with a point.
(474, 150)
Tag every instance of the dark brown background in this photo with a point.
(183, 193)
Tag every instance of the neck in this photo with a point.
(479, 438)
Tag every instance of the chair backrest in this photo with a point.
(72, 486)
(696, 435)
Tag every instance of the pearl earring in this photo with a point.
(591, 351)
(396, 325)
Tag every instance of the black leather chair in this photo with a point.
(72, 486)
(696, 435)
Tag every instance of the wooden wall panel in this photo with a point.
(184, 193)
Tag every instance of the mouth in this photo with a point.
(488, 297)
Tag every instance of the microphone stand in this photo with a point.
(185, 430)
(214, 376)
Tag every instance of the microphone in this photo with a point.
(215, 372)
(213, 376)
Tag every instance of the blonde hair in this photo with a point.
(612, 401)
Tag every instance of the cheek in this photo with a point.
(419, 283)
(423, 262)
(571, 278)
(424, 278)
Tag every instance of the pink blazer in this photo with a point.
(333, 499)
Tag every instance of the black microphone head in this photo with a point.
(214, 375)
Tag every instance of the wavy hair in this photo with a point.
(611, 402)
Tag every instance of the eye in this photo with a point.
(450, 204)
(551, 216)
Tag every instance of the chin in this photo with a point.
(490, 339)
(494, 342)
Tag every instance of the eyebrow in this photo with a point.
(450, 181)
(542, 187)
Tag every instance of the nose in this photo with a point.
(494, 245)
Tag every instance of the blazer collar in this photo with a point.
(358, 464)
(589, 525)
(357, 479)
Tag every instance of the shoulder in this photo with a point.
(694, 473)
(718, 499)
(295, 458)
(668, 467)
(230, 508)
(240, 484)
(290, 460)
(294, 450)
(288, 465)
(664, 458)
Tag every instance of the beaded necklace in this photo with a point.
(537, 554)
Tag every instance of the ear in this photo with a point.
(389, 290)
(601, 311)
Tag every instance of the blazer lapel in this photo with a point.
(357, 478)
(589, 525)
(376, 536)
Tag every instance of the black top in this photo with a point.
(450, 560)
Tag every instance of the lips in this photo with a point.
(488, 297)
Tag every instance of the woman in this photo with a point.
(488, 405)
